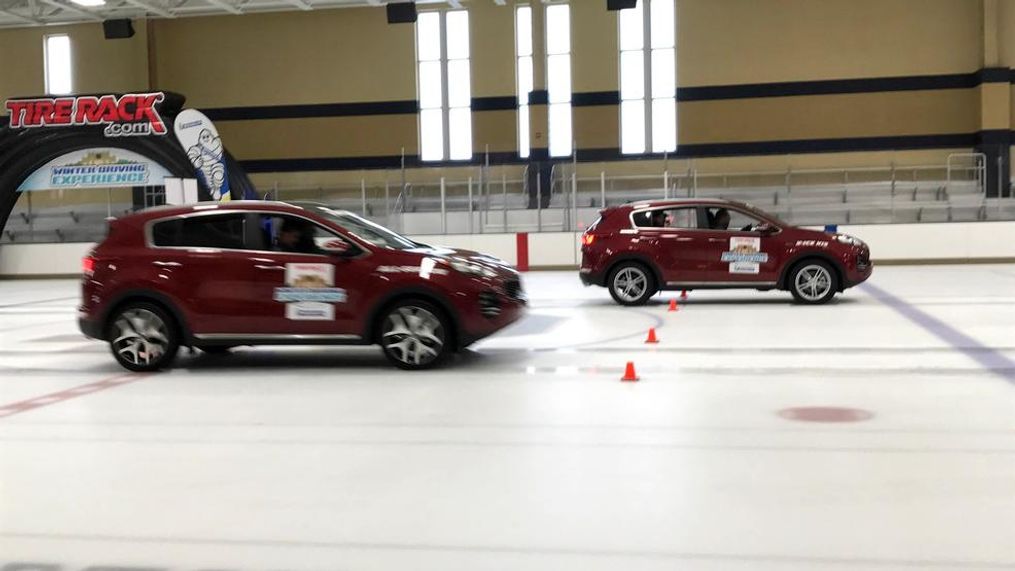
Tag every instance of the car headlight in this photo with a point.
(849, 240)
(467, 267)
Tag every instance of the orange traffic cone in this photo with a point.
(683, 294)
(651, 335)
(629, 374)
(673, 305)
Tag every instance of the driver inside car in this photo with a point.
(296, 237)
(721, 220)
(658, 219)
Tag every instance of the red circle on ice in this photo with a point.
(825, 414)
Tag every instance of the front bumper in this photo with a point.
(479, 326)
(858, 268)
(491, 309)
(857, 276)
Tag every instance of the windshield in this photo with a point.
(362, 228)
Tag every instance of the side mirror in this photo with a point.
(766, 229)
(336, 246)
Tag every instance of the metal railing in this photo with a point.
(490, 199)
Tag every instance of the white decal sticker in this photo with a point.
(811, 244)
(309, 292)
(744, 268)
(310, 311)
(745, 255)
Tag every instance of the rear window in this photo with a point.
(220, 231)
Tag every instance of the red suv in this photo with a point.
(639, 249)
(215, 276)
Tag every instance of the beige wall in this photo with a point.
(492, 49)
(594, 58)
(758, 41)
(829, 116)
(99, 65)
(327, 56)
(353, 55)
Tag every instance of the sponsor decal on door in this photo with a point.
(310, 292)
(745, 255)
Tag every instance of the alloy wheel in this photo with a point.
(813, 282)
(141, 337)
(630, 284)
(413, 335)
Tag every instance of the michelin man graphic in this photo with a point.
(201, 141)
(206, 157)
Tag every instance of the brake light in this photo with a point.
(88, 265)
(588, 239)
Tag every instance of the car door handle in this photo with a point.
(716, 239)
(263, 267)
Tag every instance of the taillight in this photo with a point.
(88, 265)
(588, 239)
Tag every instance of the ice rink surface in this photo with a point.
(528, 452)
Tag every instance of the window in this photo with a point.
(558, 77)
(686, 218)
(295, 235)
(648, 104)
(224, 232)
(733, 220)
(364, 229)
(58, 72)
(524, 70)
(445, 92)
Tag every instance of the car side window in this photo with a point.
(223, 231)
(730, 219)
(296, 235)
(685, 217)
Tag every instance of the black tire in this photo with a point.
(142, 337)
(624, 281)
(813, 282)
(415, 335)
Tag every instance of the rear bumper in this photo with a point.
(590, 278)
(89, 327)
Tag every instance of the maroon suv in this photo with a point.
(639, 249)
(216, 276)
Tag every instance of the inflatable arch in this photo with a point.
(41, 130)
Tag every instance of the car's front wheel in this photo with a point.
(813, 282)
(631, 283)
(415, 335)
(142, 337)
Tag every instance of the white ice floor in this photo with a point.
(529, 453)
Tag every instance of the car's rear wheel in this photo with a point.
(631, 283)
(142, 337)
(813, 282)
(415, 335)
